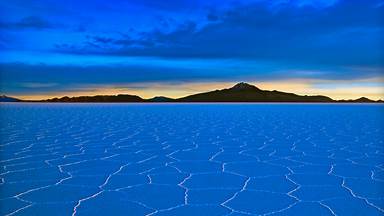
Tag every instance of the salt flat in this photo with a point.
(191, 159)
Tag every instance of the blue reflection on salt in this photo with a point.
(191, 159)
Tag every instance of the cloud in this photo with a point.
(29, 22)
(335, 35)
(180, 41)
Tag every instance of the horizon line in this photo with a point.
(47, 97)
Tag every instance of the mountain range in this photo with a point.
(241, 92)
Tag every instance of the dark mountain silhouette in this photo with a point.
(244, 92)
(160, 99)
(361, 100)
(244, 86)
(4, 98)
(241, 92)
(99, 98)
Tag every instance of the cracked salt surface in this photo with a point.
(195, 159)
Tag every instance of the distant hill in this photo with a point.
(160, 99)
(241, 92)
(121, 98)
(361, 100)
(4, 98)
(244, 92)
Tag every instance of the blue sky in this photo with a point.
(149, 47)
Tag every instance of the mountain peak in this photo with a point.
(364, 100)
(160, 99)
(244, 86)
(5, 98)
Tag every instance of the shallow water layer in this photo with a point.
(191, 159)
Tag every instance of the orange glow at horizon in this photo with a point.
(301, 87)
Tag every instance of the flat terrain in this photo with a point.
(191, 159)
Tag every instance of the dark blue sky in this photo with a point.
(52, 47)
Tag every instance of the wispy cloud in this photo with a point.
(29, 22)
(334, 35)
